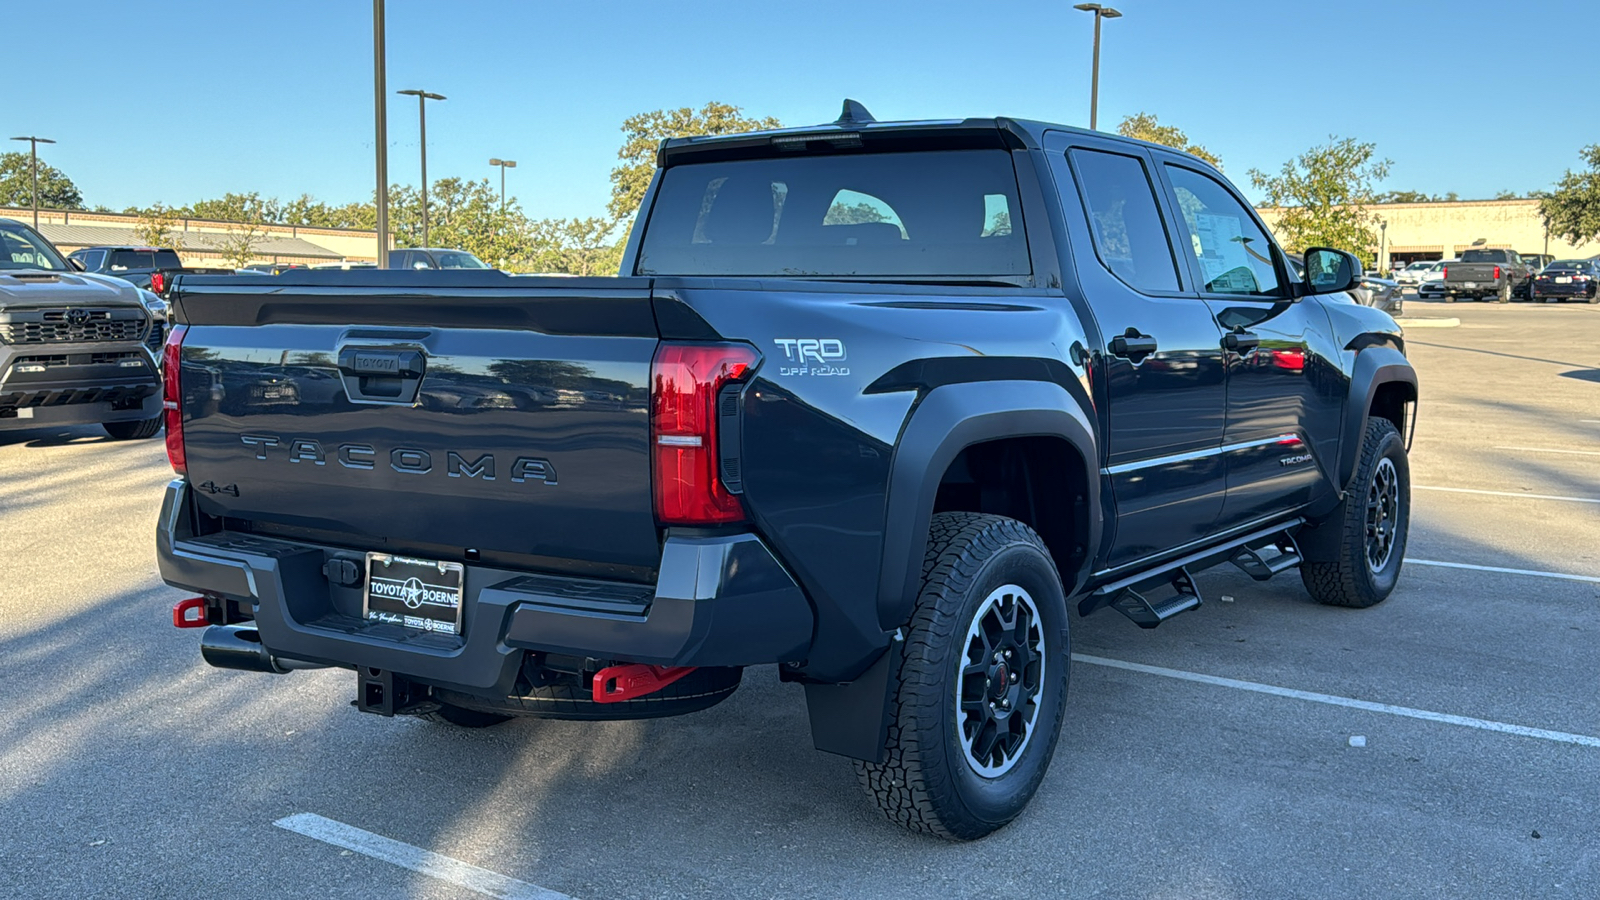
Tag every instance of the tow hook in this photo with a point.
(615, 684)
(190, 613)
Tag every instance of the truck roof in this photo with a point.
(855, 124)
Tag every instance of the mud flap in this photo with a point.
(852, 719)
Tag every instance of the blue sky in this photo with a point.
(185, 99)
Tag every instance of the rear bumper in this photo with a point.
(719, 601)
(1541, 290)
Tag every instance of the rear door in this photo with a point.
(1158, 372)
(1285, 391)
(441, 415)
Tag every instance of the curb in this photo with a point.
(1428, 323)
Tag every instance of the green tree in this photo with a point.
(231, 207)
(1508, 195)
(1324, 194)
(238, 246)
(573, 247)
(1403, 197)
(56, 190)
(157, 227)
(643, 132)
(1145, 127)
(1572, 208)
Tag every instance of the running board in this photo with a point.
(1168, 572)
(1264, 561)
(1142, 612)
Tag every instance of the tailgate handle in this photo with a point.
(381, 374)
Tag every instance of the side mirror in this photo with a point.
(77, 264)
(1330, 271)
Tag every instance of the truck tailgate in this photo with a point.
(433, 414)
(1482, 273)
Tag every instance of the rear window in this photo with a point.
(122, 260)
(934, 213)
(1492, 256)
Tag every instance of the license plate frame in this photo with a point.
(1470, 284)
(419, 594)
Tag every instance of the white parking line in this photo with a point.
(1542, 734)
(1424, 487)
(427, 862)
(1552, 450)
(1534, 572)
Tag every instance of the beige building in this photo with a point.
(1418, 231)
(198, 239)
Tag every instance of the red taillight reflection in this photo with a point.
(158, 281)
(1293, 360)
(685, 380)
(172, 399)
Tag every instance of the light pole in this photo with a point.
(380, 106)
(422, 117)
(504, 164)
(1100, 12)
(35, 142)
(1383, 244)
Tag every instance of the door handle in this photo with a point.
(1241, 341)
(381, 374)
(1132, 343)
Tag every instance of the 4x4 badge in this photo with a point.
(210, 487)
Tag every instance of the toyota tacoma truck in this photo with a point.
(882, 405)
(75, 349)
(1485, 273)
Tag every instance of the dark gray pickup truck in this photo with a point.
(75, 349)
(1485, 273)
(881, 405)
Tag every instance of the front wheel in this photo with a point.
(982, 682)
(1373, 520)
(137, 430)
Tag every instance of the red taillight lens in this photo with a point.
(685, 381)
(1445, 272)
(158, 281)
(172, 399)
(1497, 273)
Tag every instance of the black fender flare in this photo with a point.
(949, 419)
(1375, 367)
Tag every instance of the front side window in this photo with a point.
(931, 213)
(460, 260)
(1234, 256)
(1127, 227)
(20, 249)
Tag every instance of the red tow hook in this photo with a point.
(190, 613)
(614, 684)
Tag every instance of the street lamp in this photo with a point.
(422, 117)
(1383, 245)
(381, 125)
(1100, 12)
(504, 164)
(34, 142)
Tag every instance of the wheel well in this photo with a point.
(1391, 402)
(1041, 482)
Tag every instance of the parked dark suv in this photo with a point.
(880, 404)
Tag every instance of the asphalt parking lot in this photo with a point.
(1443, 744)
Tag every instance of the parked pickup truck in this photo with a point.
(74, 349)
(151, 268)
(1485, 273)
(878, 403)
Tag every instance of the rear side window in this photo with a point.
(1128, 233)
(937, 213)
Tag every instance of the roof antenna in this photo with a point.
(854, 114)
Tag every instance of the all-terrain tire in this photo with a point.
(1373, 522)
(461, 717)
(137, 430)
(977, 566)
(1504, 296)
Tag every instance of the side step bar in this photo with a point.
(1248, 551)
(1146, 614)
(1264, 561)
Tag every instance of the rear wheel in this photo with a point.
(138, 429)
(1504, 295)
(982, 682)
(1373, 521)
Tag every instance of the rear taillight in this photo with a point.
(686, 383)
(1445, 272)
(1496, 273)
(172, 397)
(158, 282)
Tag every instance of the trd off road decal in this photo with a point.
(812, 356)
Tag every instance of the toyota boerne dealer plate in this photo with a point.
(416, 593)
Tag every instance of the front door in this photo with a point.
(1285, 389)
(1158, 370)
